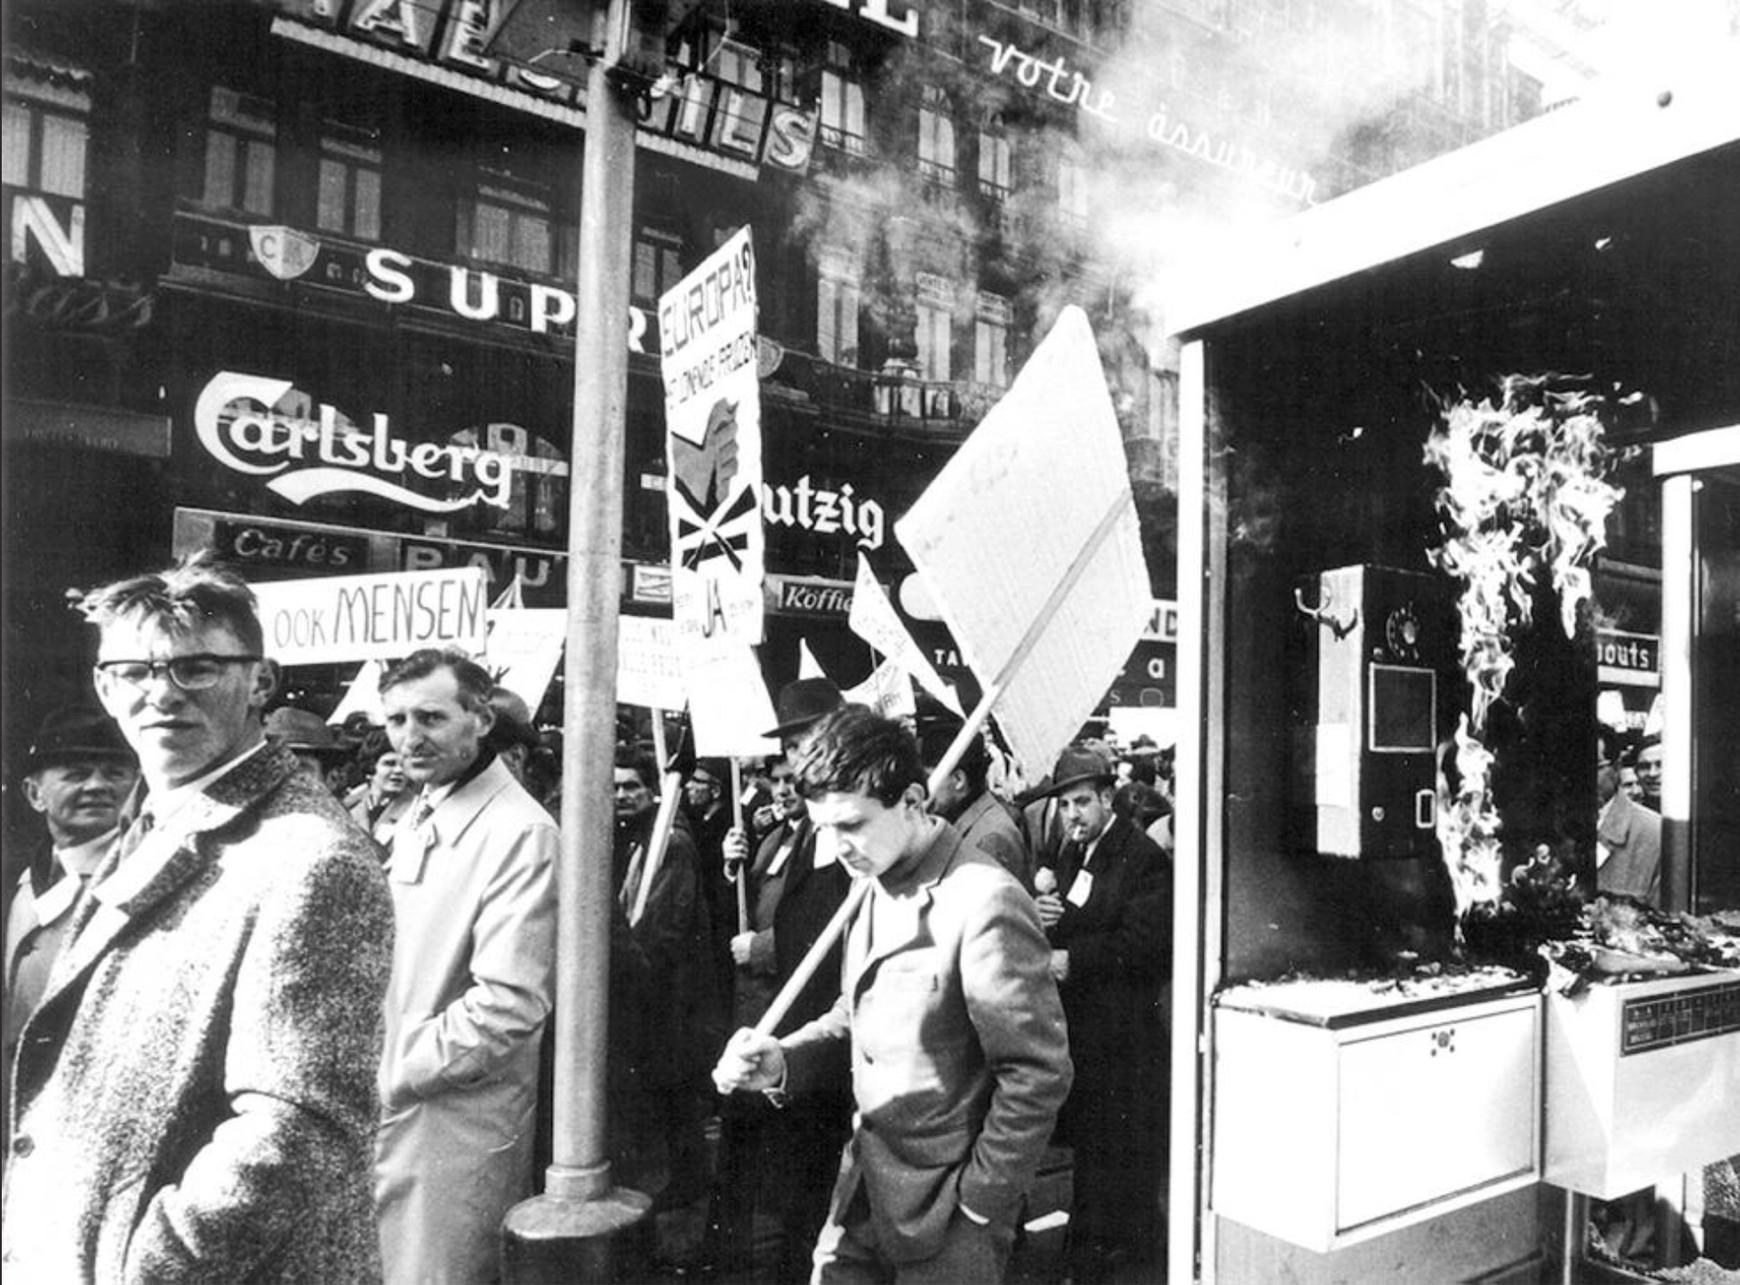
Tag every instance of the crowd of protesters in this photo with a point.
(436, 826)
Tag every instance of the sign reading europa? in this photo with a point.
(252, 424)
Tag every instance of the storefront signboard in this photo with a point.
(1625, 659)
(265, 427)
(330, 619)
(444, 41)
(101, 428)
(270, 549)
(459, 293)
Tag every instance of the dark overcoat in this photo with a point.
(1117, 928)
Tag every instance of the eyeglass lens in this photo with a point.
(190, 673)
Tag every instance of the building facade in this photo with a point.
(349, 213)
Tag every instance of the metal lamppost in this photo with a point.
(575, 1230)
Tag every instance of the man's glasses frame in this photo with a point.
(191, 673)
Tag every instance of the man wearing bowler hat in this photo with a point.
(78, 774)
(1106, 904)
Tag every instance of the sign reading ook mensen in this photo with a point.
(378, 617)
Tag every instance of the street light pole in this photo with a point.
(572, 1233)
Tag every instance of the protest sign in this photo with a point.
(874, 619)
(363, 696)
(524, 648)
(888, 691)
(713, 446)
(1046, 632)
(728, 702)
(648, 671)
(373, 617)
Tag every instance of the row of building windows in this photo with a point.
(501, 221)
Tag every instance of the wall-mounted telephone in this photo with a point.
(1379, 652)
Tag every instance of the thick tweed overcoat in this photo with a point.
(960, 1059)
(194, 1099)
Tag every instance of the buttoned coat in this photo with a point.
(473, 978)
(959, 1055)
(194, 1096)
(1117, 928)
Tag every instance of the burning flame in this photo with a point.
(1524, 493)
(1468, 825)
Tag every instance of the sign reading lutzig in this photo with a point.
(342, 618)
(713, 446)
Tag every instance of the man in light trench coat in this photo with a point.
(472, 873)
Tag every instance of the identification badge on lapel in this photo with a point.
(1081, 888)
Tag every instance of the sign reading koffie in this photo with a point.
(265, 427)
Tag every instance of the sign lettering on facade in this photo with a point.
(264, 427)
(389, 276)
(55, 228)
(1055, 79)
(1626, 659)
(708, 113)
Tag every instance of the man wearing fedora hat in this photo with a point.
(77, 775)
(1105, 902)
(316, 746)
(782, 1163)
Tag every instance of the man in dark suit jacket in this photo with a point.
(957, 1045)
(965, 801)
(781, 1163)
(78, 775)
(196, 1092)
(1107, 908)
(670, 1024)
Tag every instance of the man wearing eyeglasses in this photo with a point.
(195, 1095)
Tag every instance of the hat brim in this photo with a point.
(1058, 787)
(74, 754)
(794, 727)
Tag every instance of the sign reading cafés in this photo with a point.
(264, 427)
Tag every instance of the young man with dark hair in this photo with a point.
(472, 871)
(958, 1050)
(195, 1094)
(965, 801)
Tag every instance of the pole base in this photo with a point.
(549, 1240)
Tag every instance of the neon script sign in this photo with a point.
(258, 425)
